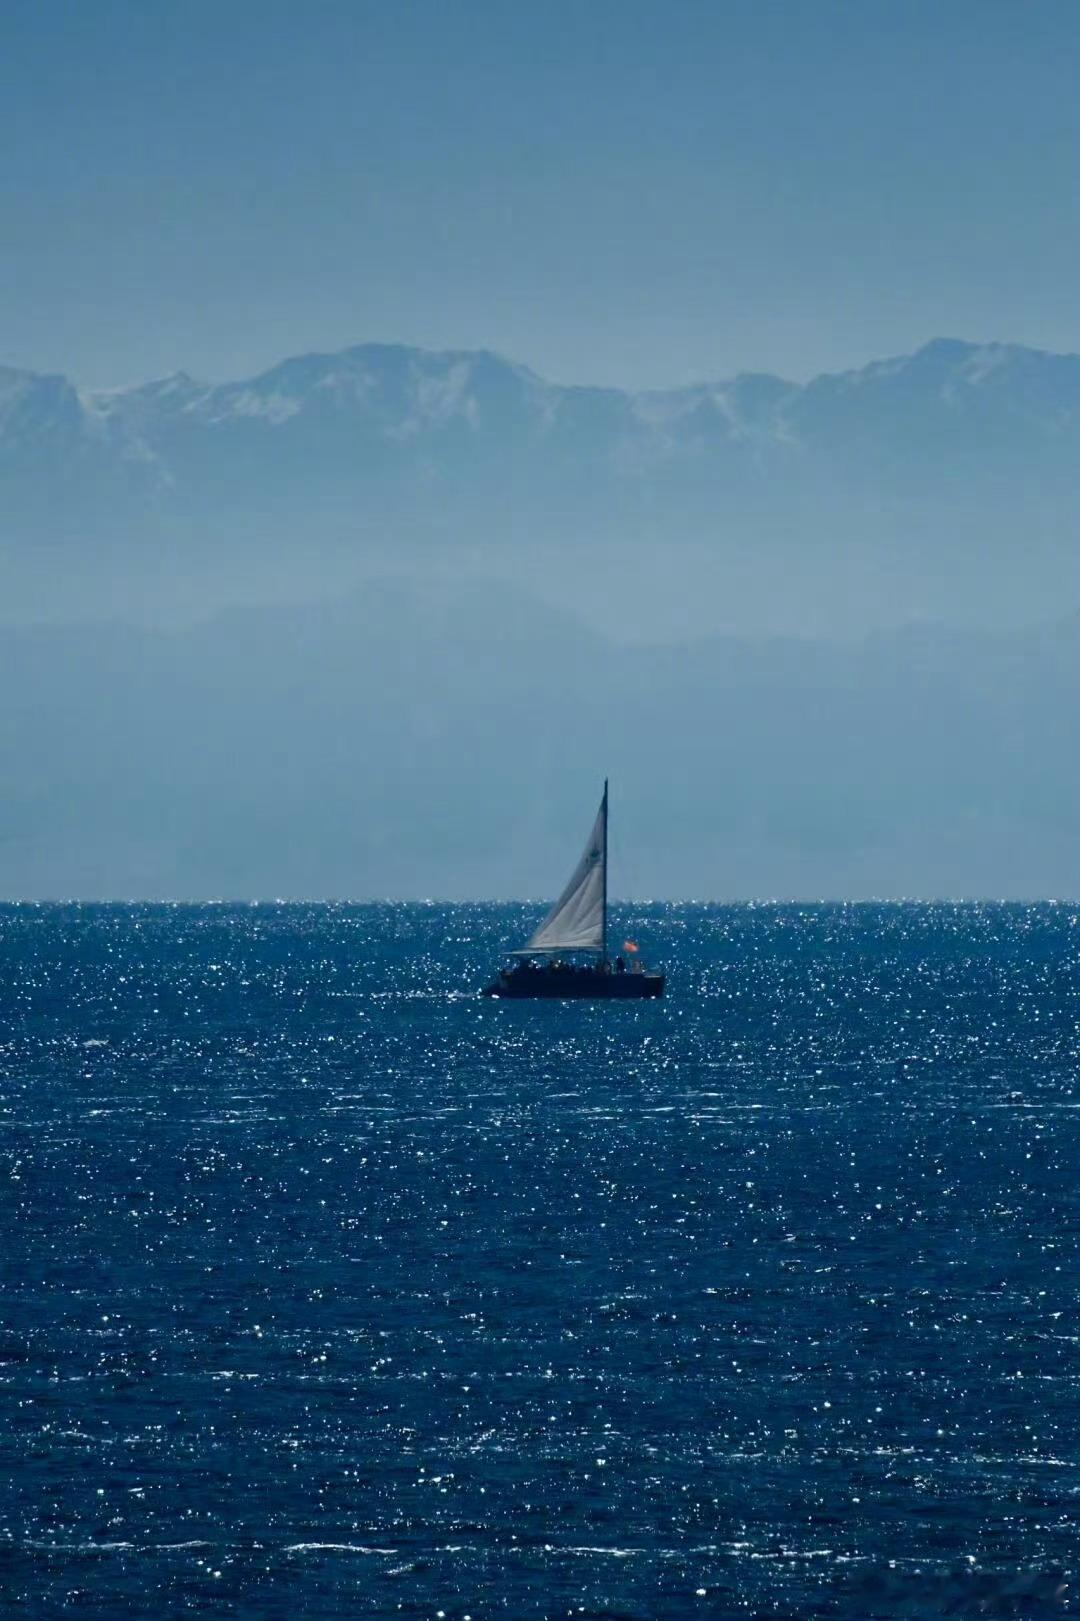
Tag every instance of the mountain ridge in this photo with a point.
(949, 361)
(944, 483)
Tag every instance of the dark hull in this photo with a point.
(555, 984)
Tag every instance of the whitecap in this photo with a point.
(338, 1547)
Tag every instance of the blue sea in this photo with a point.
(329, 1289)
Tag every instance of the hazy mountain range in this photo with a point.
(378, 623)
(941, 485)
(450, 741)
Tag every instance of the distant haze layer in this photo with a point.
(450, 741)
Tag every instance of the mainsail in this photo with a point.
(577, 921)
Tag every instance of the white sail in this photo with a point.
(576, 921)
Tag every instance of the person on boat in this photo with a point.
(620, 964)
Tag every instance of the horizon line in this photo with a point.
(745, 902)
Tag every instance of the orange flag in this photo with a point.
(628, 945)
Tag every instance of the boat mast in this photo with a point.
(603, 910)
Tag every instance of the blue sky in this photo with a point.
(638, 194)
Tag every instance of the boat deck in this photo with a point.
(564, 981)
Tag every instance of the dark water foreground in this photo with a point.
(329, 1289)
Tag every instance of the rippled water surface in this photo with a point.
(329, 1289)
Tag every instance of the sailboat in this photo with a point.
(576, 927)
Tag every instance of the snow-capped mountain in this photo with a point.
(941, 482)
(389, 395)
